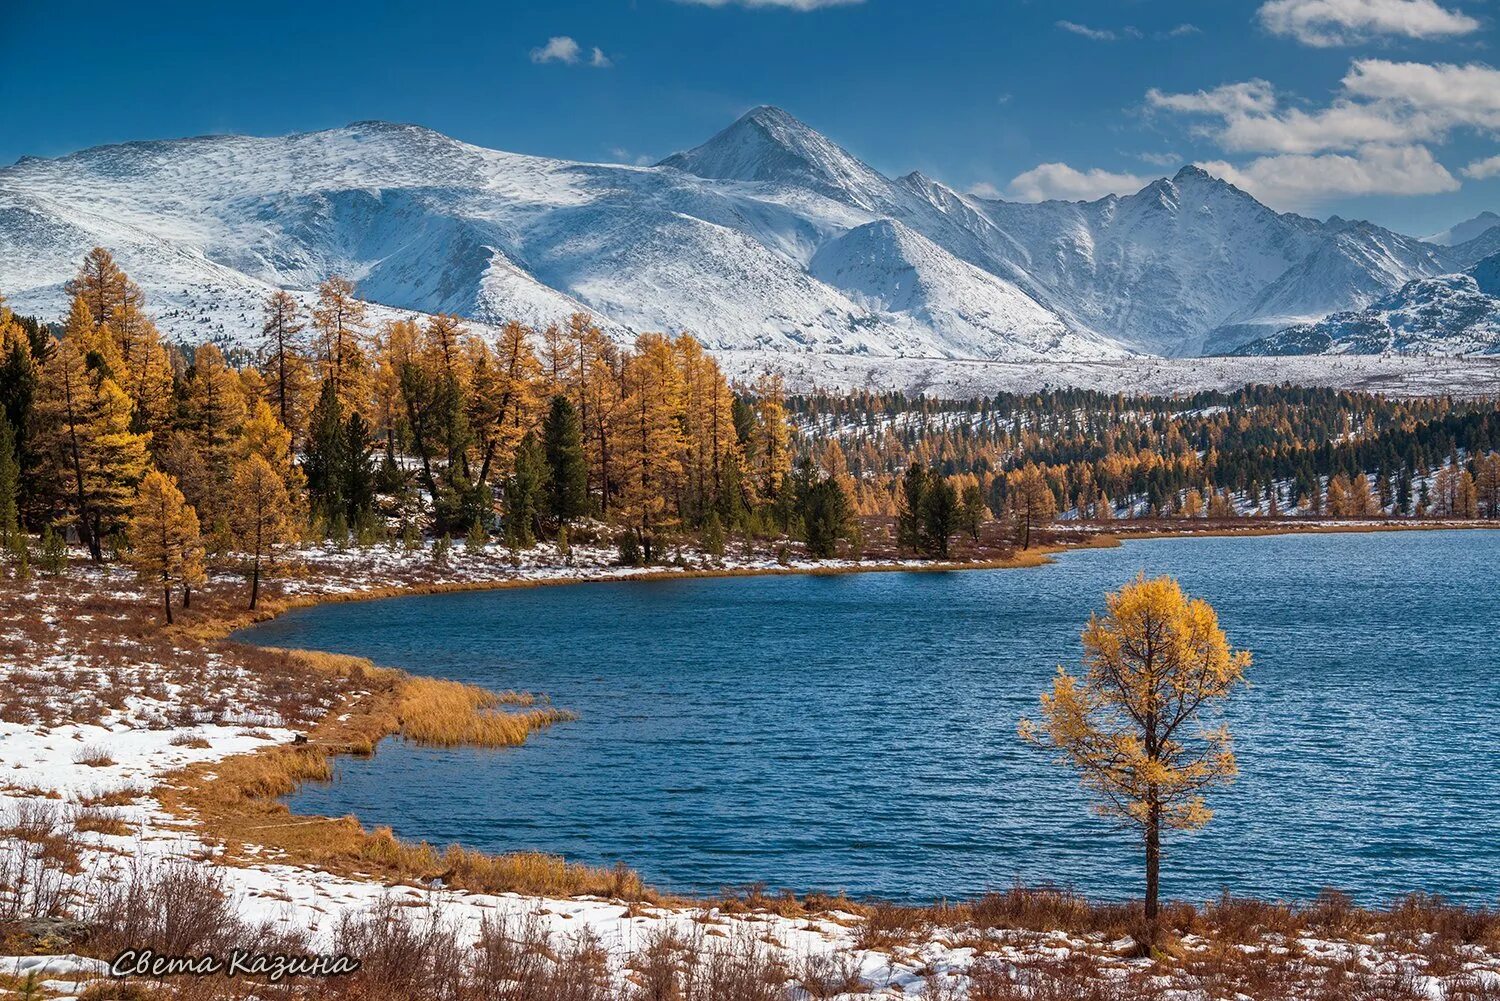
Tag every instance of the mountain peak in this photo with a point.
(766, 144)
(1192, 172)
(1466, 230)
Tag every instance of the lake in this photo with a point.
(858, 732)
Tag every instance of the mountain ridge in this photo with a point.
(744, 240)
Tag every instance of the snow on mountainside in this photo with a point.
(892, 269)
(1464, 231)
(770, 146)
(768, 241)
(423, 222)
(1446, 315)
(1357, 265)
(1164, 267)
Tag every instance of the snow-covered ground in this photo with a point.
(948, 378)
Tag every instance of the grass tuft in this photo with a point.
(451, 714)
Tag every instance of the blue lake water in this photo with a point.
(859, 732)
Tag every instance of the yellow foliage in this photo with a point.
(1132, 724)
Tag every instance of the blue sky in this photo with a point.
(1369, 108)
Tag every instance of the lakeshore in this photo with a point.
(215, 806)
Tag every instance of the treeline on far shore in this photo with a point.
(334, 427)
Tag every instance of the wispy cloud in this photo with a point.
(802, 5)
(1127, 32)
(1060, 181)
(1168, 159)
(1324, 23)
(1099, 34)
(566, 50)
(622, 155)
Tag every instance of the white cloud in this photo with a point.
(984, 189)
(1060, 181)
(1181, 31)
(1382, 102)
(1298, 181)
(566, 50)
(1099, 34)
(1460, 95)
(1481, 169)
(783, 4)
(1096, 34)
(1345, 22)
(1252, 96)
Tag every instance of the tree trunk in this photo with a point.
(255, 584)
(187, 596)
(1153, 870)
(166, 601)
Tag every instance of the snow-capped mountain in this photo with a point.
(1456, 314)
(767, 241)
(1465, 231)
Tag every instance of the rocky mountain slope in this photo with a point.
(1450, 315)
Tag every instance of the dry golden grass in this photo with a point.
(236, 799)
(93, 756)
(98, 821)
(450, 714)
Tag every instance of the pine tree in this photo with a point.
(1487, 484)
(10, 486)
(770, 449)
(201, 452)
(713, 535)
(567, 481)
(324, 461)
(261, 516)
(114, 458)
(525, 494)
(1132, 725)
(972, 511)
(825, 518)
(909, 516)
(165, 547)
(939, 515)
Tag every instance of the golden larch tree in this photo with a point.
(339, 319)
(771, 441)
(1030, 500)
(652, 442)
(285, 358)
(85, 434)
(261, 516)
(165, 547)
(1155, 664)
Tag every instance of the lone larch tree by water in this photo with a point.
(1155, 664)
